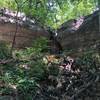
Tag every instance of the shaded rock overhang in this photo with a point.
(80, 34)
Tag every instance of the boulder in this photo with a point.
(80, 34)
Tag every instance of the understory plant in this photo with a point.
(4, 51)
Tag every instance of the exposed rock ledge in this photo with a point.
(76, 34)
(28, 29)
(80, 34)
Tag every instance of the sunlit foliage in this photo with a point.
(51, 12)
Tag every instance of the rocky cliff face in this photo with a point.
(80, 34)
(76, 34)
(28, 30)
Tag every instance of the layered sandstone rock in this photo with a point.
(80, 34)
(28, 30)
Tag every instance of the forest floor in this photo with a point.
(51, 77)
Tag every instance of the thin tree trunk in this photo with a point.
(14, 38)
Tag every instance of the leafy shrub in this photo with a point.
(4, 51)
(39, 45)
(53, 70)
(37, 70)
(6, 91)
(26, 89)
(88, 61)
(24, 79)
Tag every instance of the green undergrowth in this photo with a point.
(4, 51)
(27, 70)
